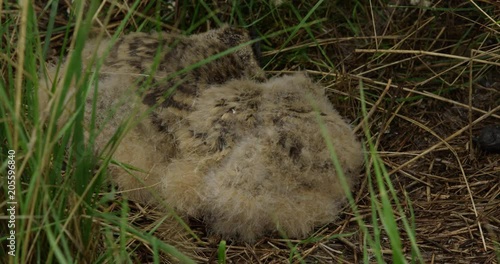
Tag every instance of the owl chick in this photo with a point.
(252, 159)
(152, 81)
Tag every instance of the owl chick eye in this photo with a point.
(221, 102)
(221, 143)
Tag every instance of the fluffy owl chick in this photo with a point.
(150, 81)
(256, 161)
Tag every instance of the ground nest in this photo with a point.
(429, 90)
(430, 81)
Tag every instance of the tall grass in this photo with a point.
(59, 197)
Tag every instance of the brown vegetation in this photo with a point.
(431, 82)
